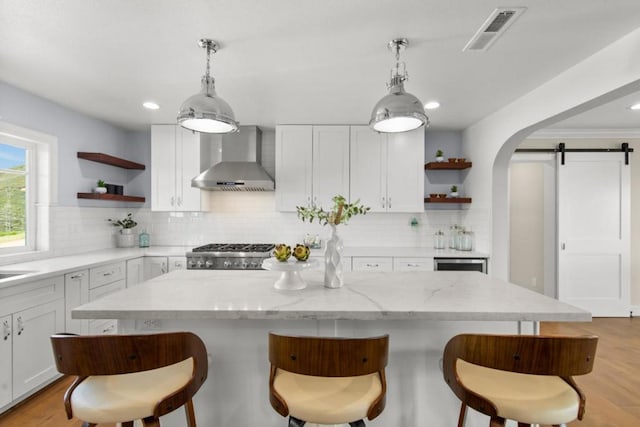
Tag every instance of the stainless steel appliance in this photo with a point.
(229, 256)
(460, 264)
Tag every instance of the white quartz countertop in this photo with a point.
(443, 295)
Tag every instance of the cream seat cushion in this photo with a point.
(327, 400)
(127, 397)
(533, 399)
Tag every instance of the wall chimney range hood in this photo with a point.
(236, 163)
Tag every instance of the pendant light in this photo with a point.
(398, 111)
(205, 111)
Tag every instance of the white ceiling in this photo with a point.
(296, 61)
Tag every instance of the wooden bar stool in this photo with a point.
(122, 378)
(327, 380)
(525, 378)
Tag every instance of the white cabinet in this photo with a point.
(175, 160)
(312, 165)
(29, 314)
(387, 170)
(76, 293)
(6, 367)
(413, 264)
(155, 266)
(135, 271)
(372, 264)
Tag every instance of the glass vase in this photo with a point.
(333, 260)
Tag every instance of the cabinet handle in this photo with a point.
(383, 202)
(562, 246)
(373, 265)
(413, 265)
(179, 201)
(6, 330)
(77, 276)
(389, 204)
(172, 200)
(108, 273)
(109, 329)
(163, 267)
(20, 326)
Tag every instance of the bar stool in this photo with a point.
(525, 378)
(327, 380)
(122, 378)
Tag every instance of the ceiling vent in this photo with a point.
(495, 25)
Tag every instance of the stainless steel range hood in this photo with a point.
(236, 163)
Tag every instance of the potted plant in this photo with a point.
(439, 156)
(340, 213)
(454, 191)
(125, 238)
(100, 187)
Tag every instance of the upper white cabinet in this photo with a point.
(312, 165)
(387, 170)
(175, 160)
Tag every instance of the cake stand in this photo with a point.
(290, 278)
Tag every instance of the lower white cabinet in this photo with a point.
(155, 266)
(76, 293)
(135, 271)
(29, 314)
(372, 263)
(413, 264)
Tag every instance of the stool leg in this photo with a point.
(191, 415)
(151, 422)
(463, 415)
(523, 424)
(127, 424)
(86, 424)
(294, 422)
(496, 422)
(359, 423)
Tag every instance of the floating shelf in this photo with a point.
(448, 165)
(113, 197)
(447, 200)
(110, 160)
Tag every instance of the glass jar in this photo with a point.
(459, 234)
(439, 240)
(453, 236)
(466, 240)
(143, 239)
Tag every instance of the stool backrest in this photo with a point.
(327, 356)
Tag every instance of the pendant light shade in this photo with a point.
(398, 111)
(205, 111)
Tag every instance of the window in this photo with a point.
(17, 187)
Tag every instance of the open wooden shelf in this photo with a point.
(447, 199)
(448, 165)
(113, 197)
(110, 160)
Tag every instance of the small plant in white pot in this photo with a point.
(125, 238)
(454, 191)
(439, 156)
(100, 187)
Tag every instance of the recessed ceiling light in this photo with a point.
(432, 105)
(150, 105)
(635, 106)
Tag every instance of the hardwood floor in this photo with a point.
(612, 389)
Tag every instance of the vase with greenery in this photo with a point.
(100, 187)
(340, 213)
(125, 238)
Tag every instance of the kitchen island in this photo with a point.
(233, 312)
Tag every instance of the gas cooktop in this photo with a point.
(235, 247)
(229, 256)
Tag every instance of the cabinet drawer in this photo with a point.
(413, 264)
(109, 273)
(372, 264)
(30, 294)
(103, 326)
(102, 291)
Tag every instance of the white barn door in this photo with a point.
(593, 233)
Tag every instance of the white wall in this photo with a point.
(609, 74)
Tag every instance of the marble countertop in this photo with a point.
(444, 295)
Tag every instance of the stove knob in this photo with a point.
(226, 264)
(243, 265)
(208, 263)
(192, 263)
(199, 263)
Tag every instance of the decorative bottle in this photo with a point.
(143, 239)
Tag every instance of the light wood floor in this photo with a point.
(612, 389)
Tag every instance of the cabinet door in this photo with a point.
(135, 271)
(330, 164)
(177, 263)
(163, 167)
(294, 151)
(33, 362)
(6, 365)
(76, 293)
(154, 266)
(187, 168)
(368, 175)
(405, 171)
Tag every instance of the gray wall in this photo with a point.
(78, 132)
